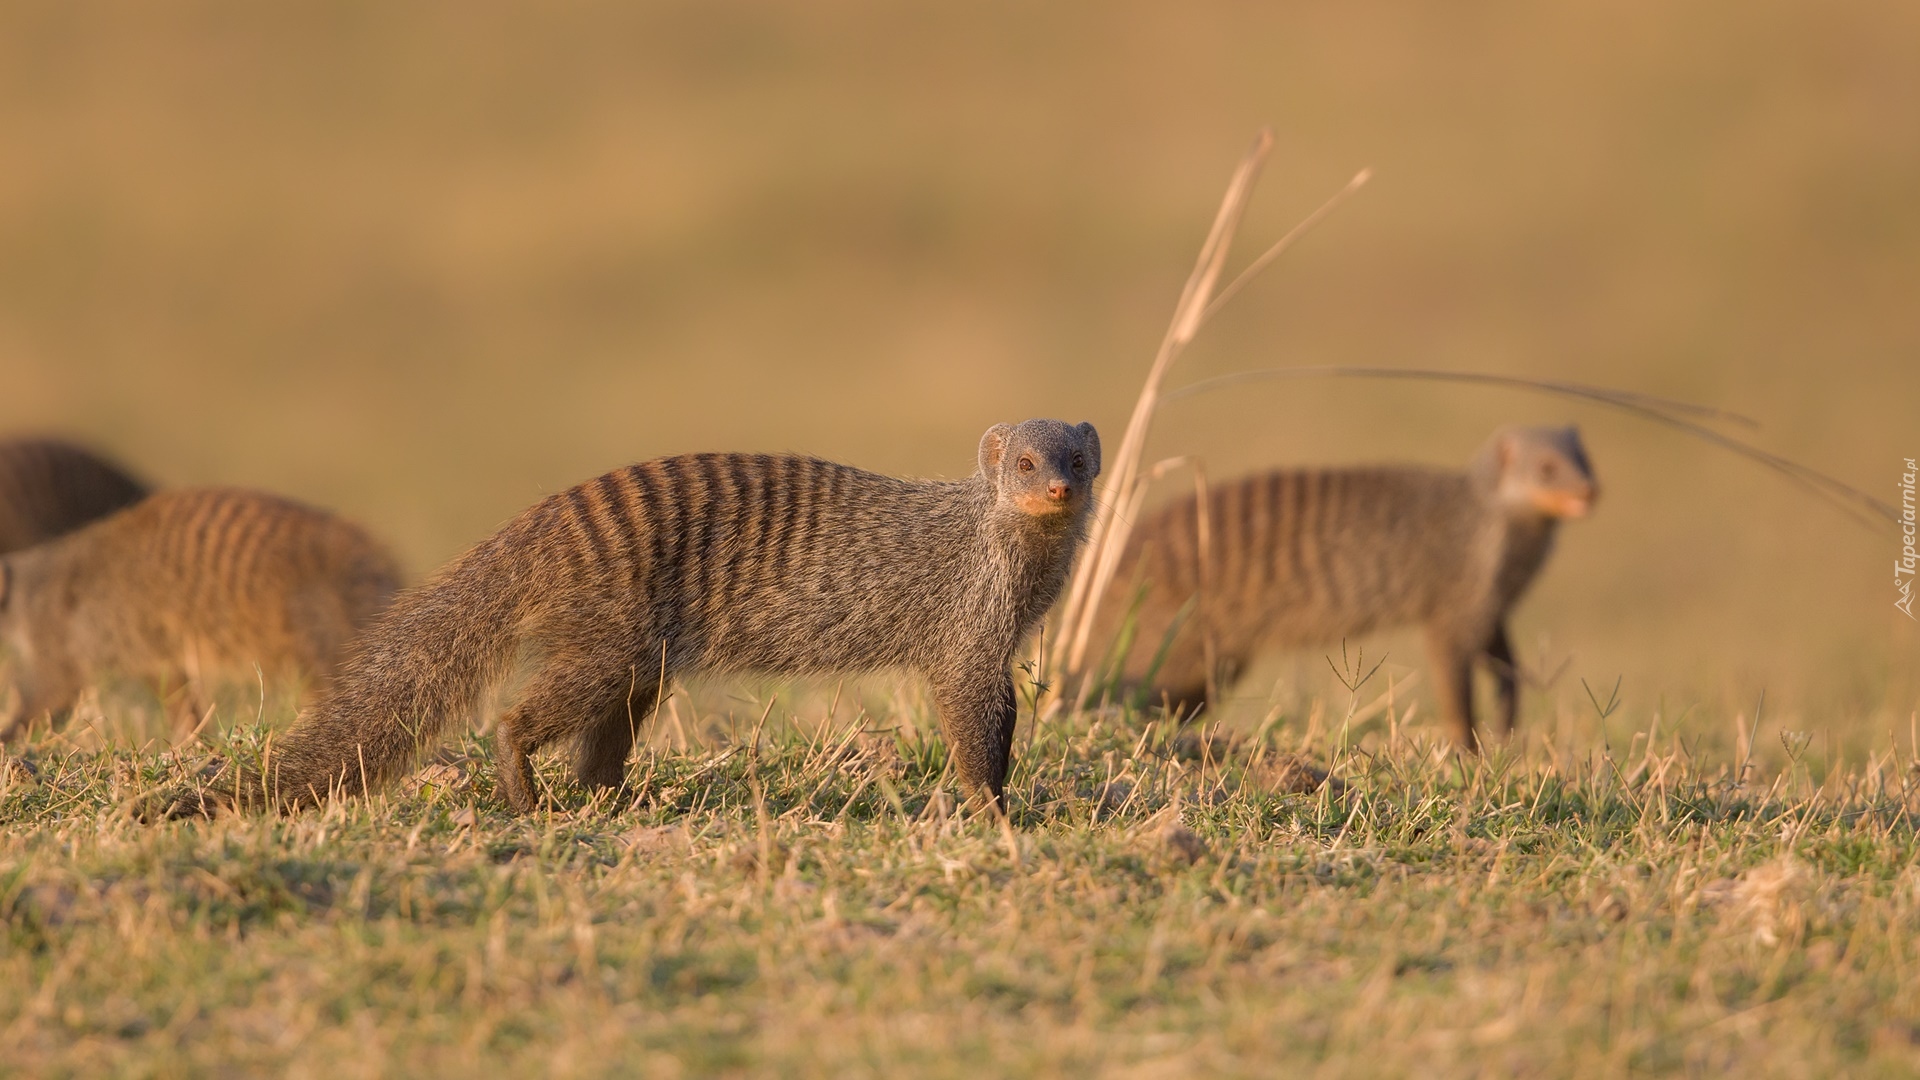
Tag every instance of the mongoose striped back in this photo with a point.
(1309, 556)
(719, 563)
(184, 587)
(49, 487)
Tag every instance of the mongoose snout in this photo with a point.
(1567, 505)
(1056, 499)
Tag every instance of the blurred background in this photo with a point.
(426, 263)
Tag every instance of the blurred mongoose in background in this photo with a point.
(709, 563)
(49, 487)
(1309, 556)
(183, 588)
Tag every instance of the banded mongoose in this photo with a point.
(183, 588)
(49, 487)
(1310, 556)
(709, 563)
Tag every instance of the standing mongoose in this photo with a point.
(1309, 556)
(184, 587)
(49, 487)
(709, 563)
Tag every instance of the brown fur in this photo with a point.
(49, 487)
(183, 588)
(1310, 556)
(716, 563)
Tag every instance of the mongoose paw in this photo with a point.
(180, 805)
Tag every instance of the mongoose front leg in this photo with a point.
(1506, 678)
(977, 715)
(1453, 684)
(1009, 720)
(33, 703)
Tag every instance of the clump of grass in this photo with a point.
(805, 898)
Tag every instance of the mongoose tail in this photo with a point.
(418, 666)
(710, 562)
(1305, 557)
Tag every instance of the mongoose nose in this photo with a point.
(1059, 491)
(1580, 503)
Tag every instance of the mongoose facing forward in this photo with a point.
(49, 487)
(182, 588)
(1310, 556)
(710, 563)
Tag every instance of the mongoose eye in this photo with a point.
(1547, 470)
(1079, 462)
(1026, 464)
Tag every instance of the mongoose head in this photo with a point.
(1539, 472)
(1042, 468)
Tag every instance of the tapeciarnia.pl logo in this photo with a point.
(1903, 567)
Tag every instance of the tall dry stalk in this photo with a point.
(1124, 485)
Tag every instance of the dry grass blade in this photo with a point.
(1281, 245)
(1083, 597)
(1198, 302)
(1604, 394)
(1660, 410)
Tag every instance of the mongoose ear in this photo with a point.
(1576, 450)
(993, 445)
(1090, 439)
(1505, 451)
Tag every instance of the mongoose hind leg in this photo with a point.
(564, 701)
(1506, 679)
(977, 717)
(601, 750)
(513, 767)
(32, 703)
(1184, 702)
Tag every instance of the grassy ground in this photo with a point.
(423, 264)
(795, 899)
